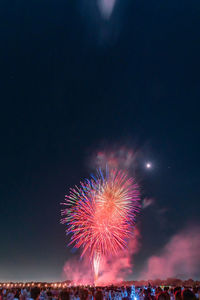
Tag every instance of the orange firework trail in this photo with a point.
(100, 214)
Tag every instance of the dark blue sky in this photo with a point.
(72, 83)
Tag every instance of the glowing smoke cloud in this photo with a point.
(120, 158)
(111, 270)
(179, 257)
(106, 7)
(147, 202)
(100, 215)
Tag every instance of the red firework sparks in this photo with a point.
(100, 214)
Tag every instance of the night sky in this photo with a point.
(74, 83)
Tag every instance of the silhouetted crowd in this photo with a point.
(101, 293)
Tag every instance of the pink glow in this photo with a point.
(112, 270)
(121, 158)
(181, 255)
(78, 271)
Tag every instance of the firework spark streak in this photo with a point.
(100, 214)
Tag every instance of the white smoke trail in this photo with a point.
(106, 7)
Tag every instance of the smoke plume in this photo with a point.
(106, 7)
(112, 269)
(121, 158)
(179, 257)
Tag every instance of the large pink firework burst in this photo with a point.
(100, 214)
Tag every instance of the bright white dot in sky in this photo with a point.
(148, 165)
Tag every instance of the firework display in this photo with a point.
(100, 214)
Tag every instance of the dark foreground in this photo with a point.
(63, 292)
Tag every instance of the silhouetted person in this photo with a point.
(188, 295)
(98, 295)
(178, 295)
(166, 289)
(35, 292)
(162, 296)
(147, 294)
(64, 295)
(17, 294)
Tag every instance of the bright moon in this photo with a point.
(148, 165)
